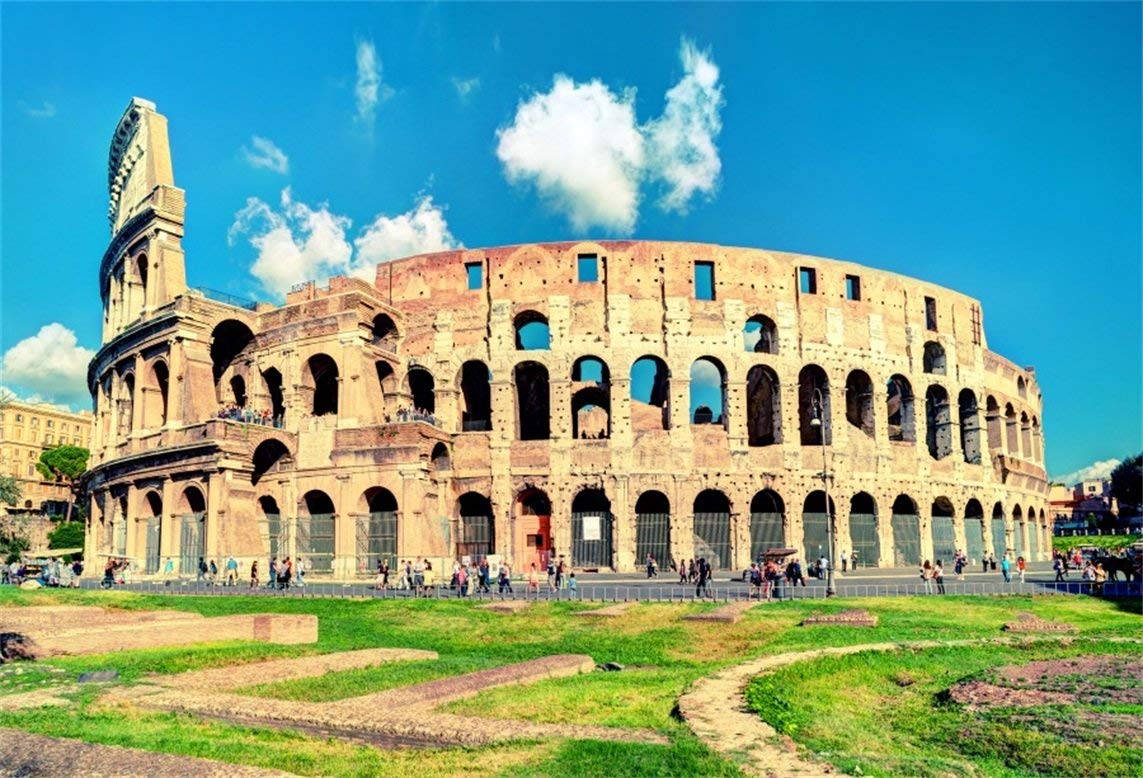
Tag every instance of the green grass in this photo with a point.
(1110, 542)
(664, 655)
(855, 712)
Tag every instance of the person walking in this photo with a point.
(273, 577)
(301, 570)
(927, 576)
(844, 560)
(231, 570)
(504, 579)
(1021, 566)
(984, 563)
(683, 572)
(958, 566)
(254, 582)
(462, 582)
(1058, 566)
(650, 567)
(533, 580)
(939, 577)
(551, 574)
(573, 586)
(853, 561)
(1006, 569)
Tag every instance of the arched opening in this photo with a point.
(230, 342)
(1026, 436)
(238, 391)
(995, 425)
(814, 406)
(383, 333)
(440, 457)
(1037, 441)
(422, 389)
(999, 531)
(650, 394)
(156, 395)
(906, 524)
(859, 401)
(653, 529)
(476, 396)
(270, 527)
(141, 267)
(271, 455)
(273, 380)
(767, 523)
(533, 401)
(314, 537)
(708, 390)
(321, 380)
(712, 537)
(1018, 531)
(1021, 387)
(533, 531)
(1012, 426)
(763, 407)
(899, 410)
(938, 422)
(127, 405)
(974, 530)
(863, 534)
(477, 530)
(387, 386)
(815, 525)
(944, 534)
(376, 535)
(591, 530)
(969, 426)
(591, 398)
(153, 504)
(192, 529)
(934, 358)
(760, 335)
(532, 333)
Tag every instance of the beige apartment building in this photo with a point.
(26, 430)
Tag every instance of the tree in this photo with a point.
(1127, 481)
(66, 535)
(67, 464)
(9, 490)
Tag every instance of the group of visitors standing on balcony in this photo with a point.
(249, 416)
(414, 414)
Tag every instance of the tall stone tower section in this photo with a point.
(143, 268)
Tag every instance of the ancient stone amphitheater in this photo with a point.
(597, 401)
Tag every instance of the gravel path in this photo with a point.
(24, 755)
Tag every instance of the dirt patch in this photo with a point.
(731, 613)
(611, 611)
(506, 606)
(853, 617)
(979, 694)
(1085, 680)
(1029, 622)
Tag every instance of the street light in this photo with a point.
(818, 421)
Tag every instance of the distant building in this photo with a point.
(26, 430)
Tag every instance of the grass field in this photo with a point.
(1111, 542)
(662, 656)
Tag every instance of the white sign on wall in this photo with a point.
(591, 528)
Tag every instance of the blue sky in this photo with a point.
(991, 148)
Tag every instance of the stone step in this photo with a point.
(611, 611)
(730, 613)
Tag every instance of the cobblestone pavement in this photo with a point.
(24, 755)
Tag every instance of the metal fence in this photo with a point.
(944, 539)
(766, 532)
(476, 537)
(591, 540)
(999, 537)
(712, 539)
(865, 538)
(653, 537)
(815, 527)
(375, 540)
(314, 541)
(974, 538)
(192, 542)
(151, 560)
(906, 539)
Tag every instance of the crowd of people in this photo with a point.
(53, 573)
(414, 414)
(236, 412)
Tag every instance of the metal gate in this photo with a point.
(815, 529)
(866, 541)
(653, 537)
(766, 532)
(974, 540)
(376, 540)
(153, 547)
(272, 530)
(192, 542)
(906, 539)
(591, 539)
(999, 538)
(712, 539)
(944, 540)
(313, 541)
(1020, 527)
(477, 537)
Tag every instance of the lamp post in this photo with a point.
(819, 421)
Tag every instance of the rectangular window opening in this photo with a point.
(930, 314)
(852, 288)
(475, 271)
(704, 280)
(807, 280)
(587, 268)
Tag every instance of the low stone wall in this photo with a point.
(82, 616)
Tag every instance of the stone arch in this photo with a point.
(127, 404)
(533, 401)
(815, 525)
(814, 406)
(476, 396)
(1026, 436)
(532, 529)
(943, 531)
(272, 378)
(270, 526)
(476, 537)
(760, 335)
(974, 530)
(767, 523)
(440, 458)
(934, 358)
(386, 386)
(591, 398)
(377, 529)
(532, 331)
(151, 517)
(995, 425)
(592, 524)
(713, 538)
(708, 390)
(156, 395)
(238, 390)
(650, 390)
(999, 531)
(231, 342)
(859, 401)
(969, 426)
(141, 273)
(653, 528)
(422, 389)
(763, 407)
(906, 524)
(1017, 535)
(899, 410)
(383, 332)
(1013, 430)
(1037, 441)
(315, 531)
(938, 422)
(321, 381)
(865, 539)
(192, 528)
(270, 455)
(1021, 387)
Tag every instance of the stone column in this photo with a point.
(176, 385)
(623, 523)
(344, 531)
(215, 514)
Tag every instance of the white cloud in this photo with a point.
(370, 89)
(706, 373)
(267, 155)
(578, 145)
(44, 110)
(296, 242)
(582, 149)
(1093, 472)
(465, 86)
(49, 366)
(680, 143)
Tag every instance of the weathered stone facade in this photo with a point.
(532, 444)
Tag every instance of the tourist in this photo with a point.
(794, 573)
(533, 580)
(683, 572)
(300, 569)
(484, 575)
(551, 574)
(419, 576)
(853, 561)
(927, 576)
(1006, 569)
(254, 582)
(273, 578)
(692, 571)
(984, 563)
(382, 574)
(213, 573)
(823, 567)
(201, 569)
(1059, 565)
(573, 587)
(958, 566)
(504, 579)
(702, 586)
(462, 581)
(1099, 576)
(1020, 567)
(231, 571)
(650, 566)
(561, 574)
(844, 559)
(755, 578)
(169, 569)
(939, 576)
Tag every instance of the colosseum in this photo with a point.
(595, 401)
